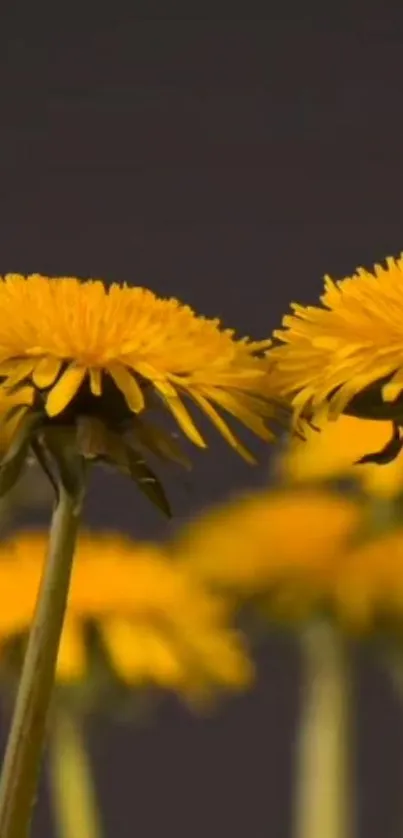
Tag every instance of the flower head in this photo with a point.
(336, 449)
(73, 343)
(367, 585)
(346, 355)
(78, 354)
(303, 552)
(155, 623)
(270, 540)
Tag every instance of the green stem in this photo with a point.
(322, 807)
(21, 766)
(73, 794)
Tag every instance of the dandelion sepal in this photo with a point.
(98, 443)
(61, 444)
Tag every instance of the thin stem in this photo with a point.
(73, 794)
(322, 807)
(21, 766)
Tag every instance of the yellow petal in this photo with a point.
(223, 656)
(128, 385)
(95, 381)
(238, 407)
(140, 654)
(64, 391)
(165, 667)
(7, 367)
(179, 411)
(46, 371)
(148, 371)
(24, 395)
(222, 427)
(21, 370)
(125, 649)
(71, 663)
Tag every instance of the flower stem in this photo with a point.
(21, 766)
(73, 794)
(322, 805)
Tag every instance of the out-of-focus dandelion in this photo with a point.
(285, 547)
(131, 613)
(309, 551)
(271, 542)
(335, 449)
(367, 584)
(346, 355)
(155, 622)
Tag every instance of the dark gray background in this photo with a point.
(230, 163)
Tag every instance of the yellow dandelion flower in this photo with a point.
(367, 583)
(253, 544)
(302, 552)
(156, 623)
(80, 348)
(346, 356)
(335, 449)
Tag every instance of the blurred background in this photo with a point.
(230, 163)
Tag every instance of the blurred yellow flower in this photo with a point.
(346, 356)
(77, 348)
(334, 449)
(303, 552)
(157, 624)
(367, 582)
(270, 538)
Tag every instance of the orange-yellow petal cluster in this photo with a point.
(269, 538)
(333, 451)
(304, 552)
(74, 342)
(157, 623)
(346, 355)
(368, 583)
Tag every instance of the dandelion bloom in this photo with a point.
(76, 347)
(367, 585)
(347, 355)
(335, 449)
(269, 539)
(154, 622)
(303, 552)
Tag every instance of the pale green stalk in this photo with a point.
(322, 806)
(73, 794)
